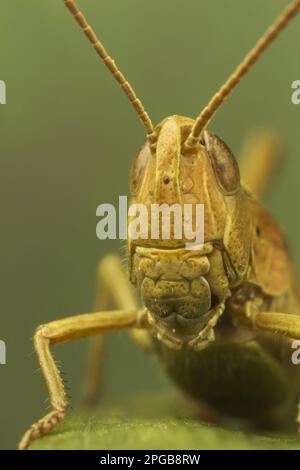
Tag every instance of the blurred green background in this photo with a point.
(68, 136)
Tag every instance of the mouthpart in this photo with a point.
(178, 332)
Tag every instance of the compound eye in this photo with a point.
(224, 163)
(138, 168)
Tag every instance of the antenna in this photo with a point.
(208, 112)
(111, 65)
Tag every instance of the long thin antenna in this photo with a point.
(111, 65)
(208, 112)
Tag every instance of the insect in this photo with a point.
(221, 317)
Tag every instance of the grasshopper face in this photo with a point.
(183, 289)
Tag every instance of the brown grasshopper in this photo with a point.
(221, 317)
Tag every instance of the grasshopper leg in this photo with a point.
(67, 329)
(279, 323)
(261, 158)
(112, 287)
(283, 324)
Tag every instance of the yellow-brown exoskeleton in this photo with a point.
(222, 316)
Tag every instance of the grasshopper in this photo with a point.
(221, 317)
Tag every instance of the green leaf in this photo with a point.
(152, 422)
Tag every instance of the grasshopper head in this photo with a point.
(182, 288)
(183, 163)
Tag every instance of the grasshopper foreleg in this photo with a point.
(66, 329)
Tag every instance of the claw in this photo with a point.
(42, 427)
